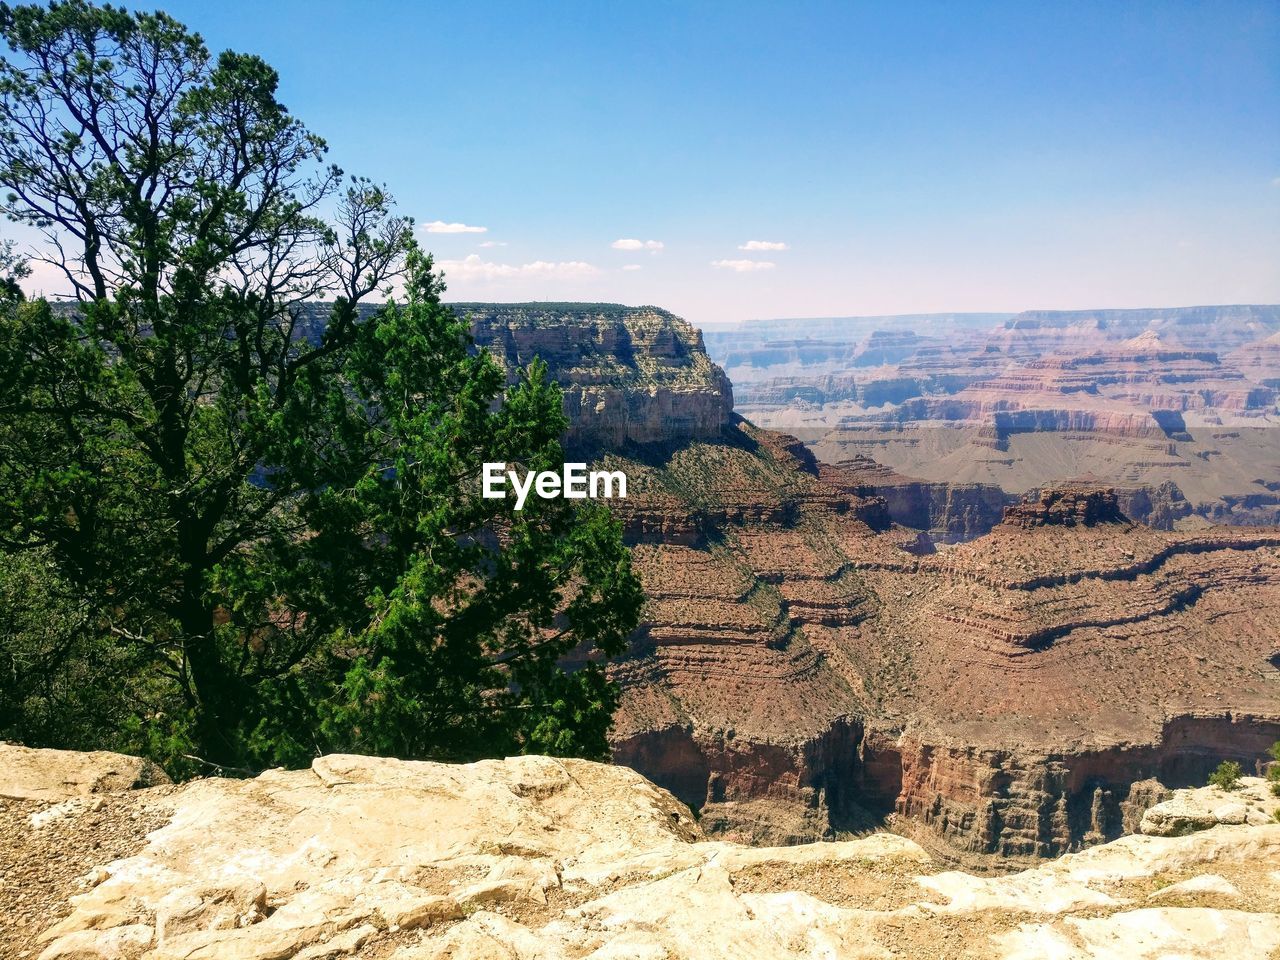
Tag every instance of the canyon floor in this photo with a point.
(533, 857)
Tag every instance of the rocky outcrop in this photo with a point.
(631, 375)
(536, 857)
(947, 512)
(1067, 507)
(1161, 506)
(29, 774)
(1252, 801)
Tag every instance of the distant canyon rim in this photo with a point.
(1173, 408)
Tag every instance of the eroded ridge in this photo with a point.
(808, 667)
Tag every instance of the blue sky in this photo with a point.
(911, 156)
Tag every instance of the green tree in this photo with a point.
(271, 507)
(1226, 776)
(56, 685)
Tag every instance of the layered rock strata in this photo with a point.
(631, 375)
(806, 667)
(947, 512)
(1134, 398)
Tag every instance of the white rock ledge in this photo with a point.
(534, 858)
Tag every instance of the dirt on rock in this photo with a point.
(49, 852)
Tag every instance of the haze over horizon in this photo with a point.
(730, 162)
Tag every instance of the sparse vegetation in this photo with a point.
(1227, 776)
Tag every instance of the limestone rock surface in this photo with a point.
(30, 774)
(533, 857)
(1191, 810)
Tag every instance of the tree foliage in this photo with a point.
(275, 531)
(1226, 776)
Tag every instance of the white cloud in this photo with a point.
(472, 267)
(1276, 182)
(628, 244)
(763, 245)
(631, 266)
(487, 244)
(439, 226)
(743, 266)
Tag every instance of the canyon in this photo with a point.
(866, 713)
(1176, 406)
(1002, 679)
(832, 642)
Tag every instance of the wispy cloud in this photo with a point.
(763, 245)
(473, 267)
(439, 226)
(743, 266)
(629, 244)
(631, 266)
(487, 244)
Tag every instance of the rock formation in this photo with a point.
(947, 512)
(804, 669)
(533, 857)
(810, 665)
(631, 375)
(1067, 507)
(28, 774)
(1133, 398)
(1162, 506)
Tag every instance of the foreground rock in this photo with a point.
(1190, 811)
(533, 857)
(28, 774)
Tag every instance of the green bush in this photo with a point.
(1227, 776)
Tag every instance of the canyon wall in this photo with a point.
(1132, 398)
(948, 512)
(807, 668)
(631, 375)
(974, 804)
(827, 646)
